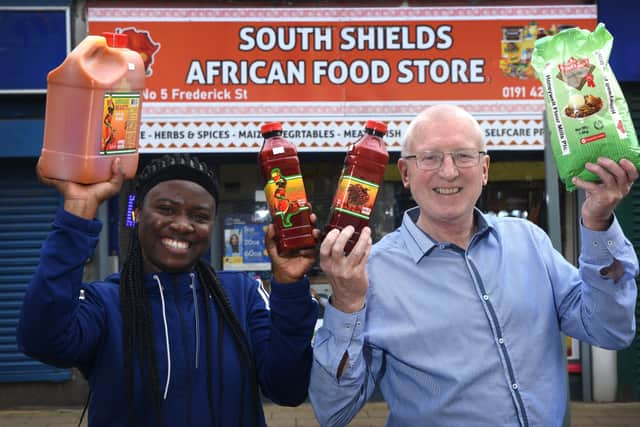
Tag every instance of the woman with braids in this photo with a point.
(168, 341)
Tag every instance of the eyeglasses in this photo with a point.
(431, 160)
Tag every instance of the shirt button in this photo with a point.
(610, 242)
(485, 297)
(358, 323)
(501, 340)
(515, 386)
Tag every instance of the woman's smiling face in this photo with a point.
(174, 226)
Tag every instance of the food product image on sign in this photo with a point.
(587, 115)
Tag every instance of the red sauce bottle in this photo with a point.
(359, 182)
(284, 190)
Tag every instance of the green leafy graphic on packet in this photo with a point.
(587, 114)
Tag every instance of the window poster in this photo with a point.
(244, 248)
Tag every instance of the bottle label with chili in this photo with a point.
(120, 122)
(355, 196)
(286, 196)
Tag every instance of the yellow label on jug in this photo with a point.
(355, 196)
(120, 122)
(286, 196)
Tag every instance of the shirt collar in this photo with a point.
(420, 244)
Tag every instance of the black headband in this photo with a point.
(181, 172)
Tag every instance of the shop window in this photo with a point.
(520, 199)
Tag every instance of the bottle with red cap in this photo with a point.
(93, 111)
(360, 180)
(284, 190)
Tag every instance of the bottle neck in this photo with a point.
(374, 132)
(272, 134)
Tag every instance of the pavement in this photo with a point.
(372, 415)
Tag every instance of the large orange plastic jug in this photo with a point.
(93, 111)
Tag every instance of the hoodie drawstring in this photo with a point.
(195, 310)
(166, 336)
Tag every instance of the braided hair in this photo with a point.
(137, 324)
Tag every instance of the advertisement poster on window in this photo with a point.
(324, 71)
(244, 244)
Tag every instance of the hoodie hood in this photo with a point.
(181, 282)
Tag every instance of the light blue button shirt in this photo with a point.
(472, 338)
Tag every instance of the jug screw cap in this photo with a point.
(116, 39)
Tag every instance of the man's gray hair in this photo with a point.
(438, 112)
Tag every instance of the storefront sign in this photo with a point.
(214, 75)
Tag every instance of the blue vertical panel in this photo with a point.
(27, 209)
(618, 17)
(33, 41)
(21, 137)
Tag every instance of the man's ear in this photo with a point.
(403, 167)
(485, 169)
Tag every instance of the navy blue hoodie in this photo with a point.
(66, 323)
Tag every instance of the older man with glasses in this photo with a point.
(457, 316)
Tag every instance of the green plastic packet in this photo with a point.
(587, 114)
